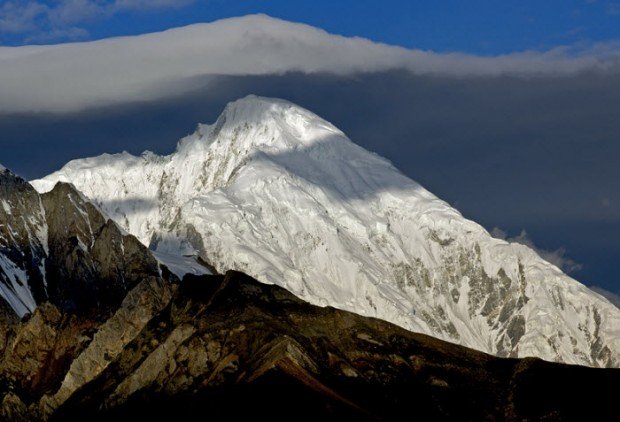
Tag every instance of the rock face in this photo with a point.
(92, 263)
(61, 249)
(275, 191)
(65, 269)
(23, 244)
(229, 346)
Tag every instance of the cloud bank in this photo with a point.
(72, 77)
(557, 257)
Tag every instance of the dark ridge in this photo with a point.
(281, 358)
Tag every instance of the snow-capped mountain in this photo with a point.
(275, 191)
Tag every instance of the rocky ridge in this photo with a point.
(229, 346)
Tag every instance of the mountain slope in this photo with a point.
(273, 190)
(229, 346)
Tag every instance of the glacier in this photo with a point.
(275, 191)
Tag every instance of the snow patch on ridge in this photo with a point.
(180, 265)
(16, 293)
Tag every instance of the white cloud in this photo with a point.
(71, 77)
(612, 297)
(19, 17)
(39, 20)
(72, 33)
(76, 11)
(149, 4)
(557, 257)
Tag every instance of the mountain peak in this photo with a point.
(254, 107)
(263, 124)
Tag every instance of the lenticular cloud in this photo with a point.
(71, 77)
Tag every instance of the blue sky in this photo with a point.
(474, 26)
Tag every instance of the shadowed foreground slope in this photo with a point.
(229, 346)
